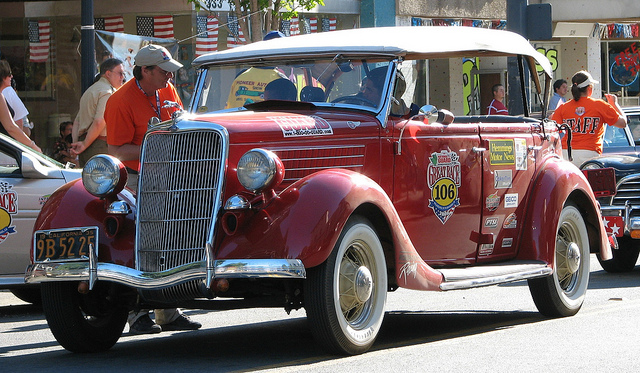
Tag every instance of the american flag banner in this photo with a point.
(294, 26)
(328, 24)
(235, 36)
(39, 40)
(158, 27)
(111, 24)
(207, 39)
(313, 25)
(285, 27)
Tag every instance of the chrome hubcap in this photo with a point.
(363, 284)
(573, 257)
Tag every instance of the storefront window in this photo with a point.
(621, 66)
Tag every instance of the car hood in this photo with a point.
(623, 164)
(284, 126)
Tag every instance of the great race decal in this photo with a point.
(8, 207)
(443, 178)
(296, 125)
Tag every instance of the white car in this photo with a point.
(27, 179)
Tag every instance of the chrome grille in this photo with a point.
(180, 181)
(628, 189)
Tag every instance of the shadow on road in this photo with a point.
(276, 344)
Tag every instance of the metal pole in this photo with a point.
(87, 48)
(516, 22)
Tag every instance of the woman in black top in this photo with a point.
(9, 127)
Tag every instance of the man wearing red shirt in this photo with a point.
(496, 107)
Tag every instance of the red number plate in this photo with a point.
(64, 244)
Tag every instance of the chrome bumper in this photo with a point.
(630, 223)
(233, 268)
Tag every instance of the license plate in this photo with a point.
(64, 244)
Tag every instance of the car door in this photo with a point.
(437, 189)
(509, 164)
(20, 202)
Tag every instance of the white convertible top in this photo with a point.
(418, 42)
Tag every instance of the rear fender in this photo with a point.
(305, 221)
(557, 183)
(71, 206)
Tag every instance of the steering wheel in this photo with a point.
(354, 99)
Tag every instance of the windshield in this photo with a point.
(357, 83)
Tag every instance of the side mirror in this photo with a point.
(443, 116)
(32, 168)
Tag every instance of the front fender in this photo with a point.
(72, 206)
(306, 219)
(558, 182)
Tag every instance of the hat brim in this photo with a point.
(171, 65)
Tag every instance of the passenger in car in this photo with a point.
(586, 118)
(281, 89)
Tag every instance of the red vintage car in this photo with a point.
(324, 196)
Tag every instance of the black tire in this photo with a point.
(344, 318)
(73, 327)
(562, 293)
(28, 294)
(624, 258)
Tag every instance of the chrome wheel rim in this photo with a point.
(568, 257)
(356, 285)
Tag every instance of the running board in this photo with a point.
(486, 275)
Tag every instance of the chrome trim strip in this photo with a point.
(231, 268)
(478, 282)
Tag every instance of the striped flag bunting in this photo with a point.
(294, 26)
(111, 24)
(207, 39)
(158, 27)
(236, 36)
(39, 40)
(313, 25)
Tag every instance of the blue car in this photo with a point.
(621, 212)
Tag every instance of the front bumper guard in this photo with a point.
(91, 270)
(631, 223)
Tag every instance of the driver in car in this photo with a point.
(372, 84)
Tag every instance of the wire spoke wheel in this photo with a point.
(345, 296)
(562, 293)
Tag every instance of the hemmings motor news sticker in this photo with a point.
(8, 207)
(297, 125)
(502, 152)
(443, 178)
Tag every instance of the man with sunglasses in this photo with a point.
(127, 115)
(89, 132)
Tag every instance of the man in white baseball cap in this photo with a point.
(156, 55)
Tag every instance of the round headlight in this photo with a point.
(104, 175)
(258, 169)
(591, 166)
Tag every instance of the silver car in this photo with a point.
(27, 179)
